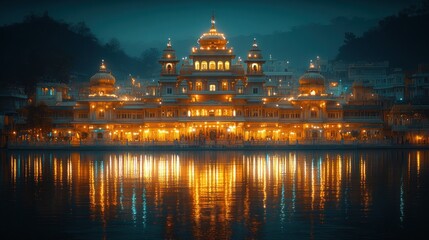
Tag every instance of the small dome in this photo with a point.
(169, 54)
(312, 78)
(103, 77)
(254, 52)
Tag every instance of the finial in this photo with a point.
(255, 44)
(213, 21)
(169, 42)
(102, 66)
(311, 65)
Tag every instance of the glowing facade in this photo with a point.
(216, 97)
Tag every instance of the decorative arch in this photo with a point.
(226, 65)
(203, 65)
(212, 65)
(255, 67)
(197, 65)
(220, 65)
(169, 67)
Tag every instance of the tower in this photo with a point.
(254, 60)
(255, 74)
(168, 61)
(168, 78)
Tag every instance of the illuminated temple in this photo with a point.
(216, 97)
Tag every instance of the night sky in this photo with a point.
(142, 23)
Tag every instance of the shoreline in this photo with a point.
(172, 147)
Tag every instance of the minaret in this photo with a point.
(168, 78)
(255, 75)
(254, 60)
(168, 61)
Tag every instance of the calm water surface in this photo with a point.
(215, 195)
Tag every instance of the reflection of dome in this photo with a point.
(102, 78)
(213, 39)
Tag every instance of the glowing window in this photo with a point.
(203, 65)
(169, 67)
(313, 113)
(255, 67)
(224, 86)
(45, 91)
(199, 86)
(212, 87)
(220, 65)
(312, 92)
(197, 65)
(226, 65)
(212, 65)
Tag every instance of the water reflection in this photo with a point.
(224, 194)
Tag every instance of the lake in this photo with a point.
(348, 194)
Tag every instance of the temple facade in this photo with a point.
(213, 96)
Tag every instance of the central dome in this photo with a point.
(103, 77)
(312, 82)
(212, 39)
(102, 83)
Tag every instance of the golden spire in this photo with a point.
(213, 28)
(169, 42)
(102, 66)
(312, 67)
(255, 44)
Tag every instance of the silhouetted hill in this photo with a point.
(43, 49)
(402, 40)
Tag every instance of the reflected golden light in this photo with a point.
(214, 186)
(418, 163)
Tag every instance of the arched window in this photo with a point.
(197, 65)
(212, 87)
(203, 65)
(220, 65)
(255, 67)
(169, 67)
(227, 65)
(212, 65)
